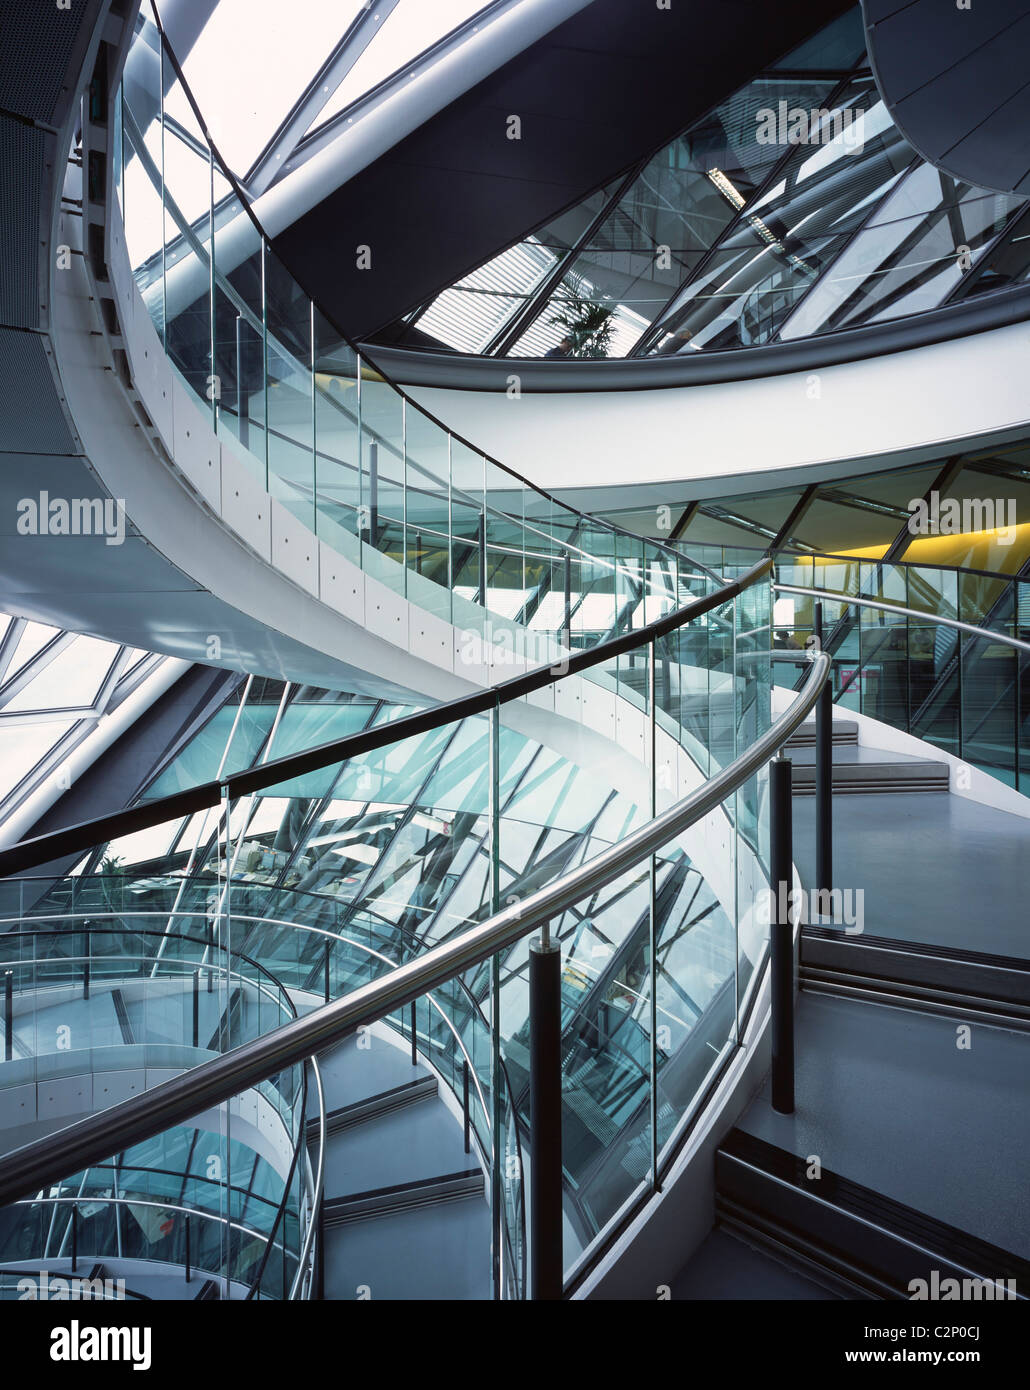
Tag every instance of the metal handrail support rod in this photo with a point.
(823, 774)
(546, 1271)
(862, 602)
(33, 1166)
(781, 934)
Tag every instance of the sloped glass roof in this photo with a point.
(412, 27)
(54, 687)
(255, 62)
(794, 208)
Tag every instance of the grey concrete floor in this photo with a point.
(726, 1268)
(887, 1098)
(938, 869)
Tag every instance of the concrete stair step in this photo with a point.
(845, 731)
(860, 769)
(858, 1235)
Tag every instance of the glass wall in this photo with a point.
(792, 209)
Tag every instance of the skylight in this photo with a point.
(254, 59)
(408, 30)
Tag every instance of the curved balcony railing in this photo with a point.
(663, 955)
(107, 996)
(938, 652)
(344, 450)
(218, 1080)
(451, 1033)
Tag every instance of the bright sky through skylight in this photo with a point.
(252, 61)
(414, 26)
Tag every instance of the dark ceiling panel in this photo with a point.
(956, 82)
(609, 86)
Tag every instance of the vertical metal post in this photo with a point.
(450, 526)
(213, 384)
(823, 774)
(242, 402)
(196, 1008)
(414, 1036)
(404, 493)
(328, 948)
(465, 1105)
(75, 1235)
(373, 493)
(314, 425)
(189, 1271)
(320, 1250)
(264, 357)
(1018, 710)
(567, 623)
(9, 1016)
(652, 926)
(546, 1276)
(496, 1080)
(782, 935)
(481, 542)
(85, 978)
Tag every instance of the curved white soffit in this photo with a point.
(906, 401)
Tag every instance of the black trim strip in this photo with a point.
(991, 979)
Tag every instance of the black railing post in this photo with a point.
(9, 1016)
(373, 493)
(75, 1236)
(196, 1008)
(85, 979)
(189, 1271)
(414, 1036)
(328, 949)
(567, 624)
(465, 1105)
(545, 1138)
(320, 1249)
(823, 775)
(481, 543)
(781, 935)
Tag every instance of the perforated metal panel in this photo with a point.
(38, 39)
(31, 419)
(21, 165)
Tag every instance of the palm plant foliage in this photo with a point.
(587, 324)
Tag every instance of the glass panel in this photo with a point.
(337, 441)
(429, 520)
(382, 448)
(291, 439)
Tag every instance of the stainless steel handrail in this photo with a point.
(970, 628)
(88, 1141)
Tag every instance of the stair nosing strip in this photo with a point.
(978, 1245)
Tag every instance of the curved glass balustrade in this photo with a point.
(964, 693)
(364, 468)
(110, 1003)
(438, 829)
